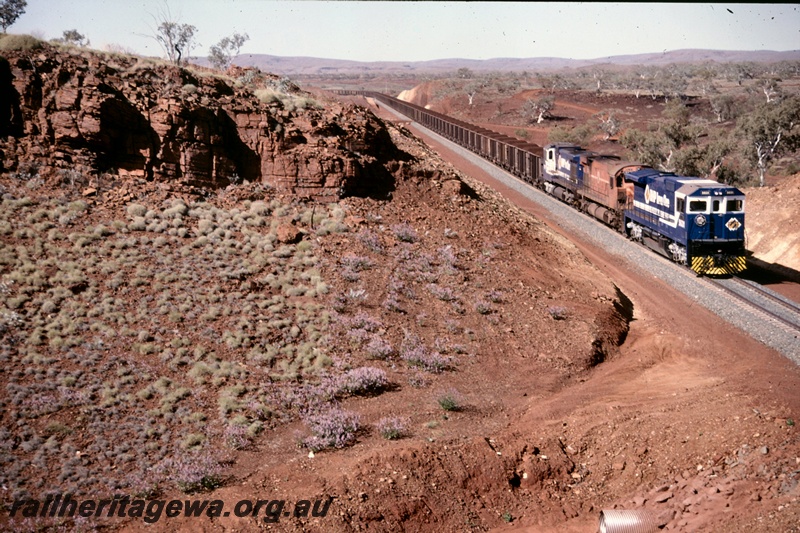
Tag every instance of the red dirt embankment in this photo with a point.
(773, 227)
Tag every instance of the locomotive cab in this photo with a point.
(714, 220)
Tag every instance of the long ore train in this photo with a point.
(693, 221)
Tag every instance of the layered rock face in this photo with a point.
(101, 113)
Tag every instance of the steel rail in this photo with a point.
(793, 326)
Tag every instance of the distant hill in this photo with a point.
(293, 66)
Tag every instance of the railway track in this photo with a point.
(771, 304)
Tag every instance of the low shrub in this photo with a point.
(378, 348)
(371, 240)
(334, 428)
(364, 380)
(405, 232)
(391, 428)
(483, 307)
(236, 436)
(558, 312)
(10, 42)
(450, 401)
(415, 353)
(192, 471)
(494, 296)
(445, 294)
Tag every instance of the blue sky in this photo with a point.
(416, 31)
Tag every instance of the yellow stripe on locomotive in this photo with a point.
(714, 266)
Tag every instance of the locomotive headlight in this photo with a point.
(700, 220)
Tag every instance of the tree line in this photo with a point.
(755, 106)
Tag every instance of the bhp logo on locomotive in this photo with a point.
(652, 197)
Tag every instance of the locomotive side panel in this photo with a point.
(654, 205)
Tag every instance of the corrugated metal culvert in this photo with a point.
(627, 522)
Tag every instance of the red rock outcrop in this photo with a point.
(95, 113)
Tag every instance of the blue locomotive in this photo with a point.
(697, 222)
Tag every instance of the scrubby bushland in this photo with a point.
(163, 328)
